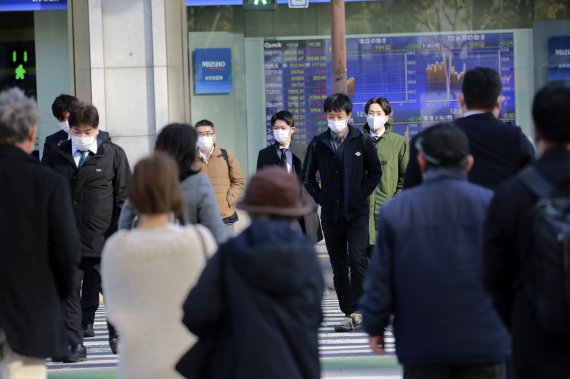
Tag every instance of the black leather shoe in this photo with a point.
(113, 338)
(88, 331)
(345, 325)
(77, 353)
(114, 343)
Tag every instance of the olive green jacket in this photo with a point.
(393, 152)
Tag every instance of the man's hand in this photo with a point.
(377, 344)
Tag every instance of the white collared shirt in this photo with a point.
(76, 153)
(289, 156)
(471, 113)
(206, 157)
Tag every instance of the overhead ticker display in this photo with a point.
(421, 76)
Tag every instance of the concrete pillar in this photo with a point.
(129, 59)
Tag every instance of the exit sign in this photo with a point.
(260, 5)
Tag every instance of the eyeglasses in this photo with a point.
(206, 134)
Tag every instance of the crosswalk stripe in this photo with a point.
(332, 345)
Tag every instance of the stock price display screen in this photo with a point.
(421, 76)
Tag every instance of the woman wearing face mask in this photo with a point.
(393, 152)
(179, 141)
(289, 154)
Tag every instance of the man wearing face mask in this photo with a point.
(349, 170)
(97, 172)
(61, 108)
(393, 152)
(224, 172)
(289, 154)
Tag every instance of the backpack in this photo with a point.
(233, 218)
(549, 256)
(225, 156)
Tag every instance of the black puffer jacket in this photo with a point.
(98, 191)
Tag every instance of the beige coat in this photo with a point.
(147, 275)
(227, 180)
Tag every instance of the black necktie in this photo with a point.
(283, 161)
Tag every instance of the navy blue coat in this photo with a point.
(427, 271)
(260, 296)
(349, 183)
(500, 151)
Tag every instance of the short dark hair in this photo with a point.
(338, 102)
(205, 123)
(179, 141)
(481, 88)
(285, 116)
(63, 103)
(84, 114)
(551, 112)
(154, 186)
(443, 144)
(382, 101)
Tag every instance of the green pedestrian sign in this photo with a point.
(20, 71)
(260, 5)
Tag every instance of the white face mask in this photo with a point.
(337, 126)
(281, 135)
(64, 125)
(205, 142)
(82, 143)
(376, 123)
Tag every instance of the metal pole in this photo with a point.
(338, 37)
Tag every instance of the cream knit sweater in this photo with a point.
(147, 275)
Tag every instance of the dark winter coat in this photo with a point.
(98, 190)
(507, 256)
(500, 151)
(260, 297)
(427, 270)
(38, 256)
(270, 157)
(349, 182)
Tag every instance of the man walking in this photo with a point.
(527, 271)
(40, 248)
(349, 171)
(97, 172)
(426, 270)
(500, 150)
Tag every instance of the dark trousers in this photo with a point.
(458, 371)
(346, 244)
(91, 288)
(72, 312)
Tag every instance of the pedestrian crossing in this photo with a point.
(344, 345)
(99, 355)
(332, 345)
